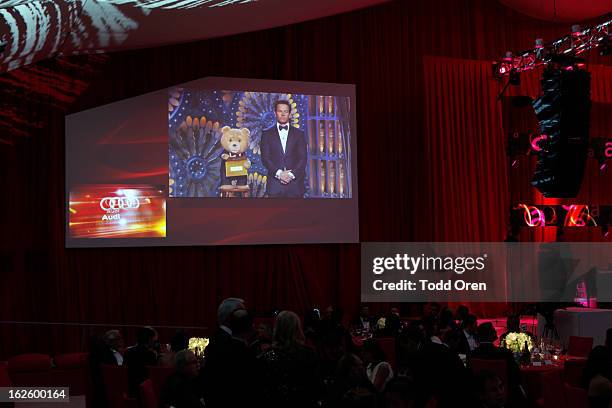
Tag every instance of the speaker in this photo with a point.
(563, 112)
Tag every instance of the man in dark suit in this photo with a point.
(464, 340)
(228, 376)
(486, 350)
(138, 357)
(283, 153)
(364, 321)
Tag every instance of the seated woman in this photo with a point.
(350, 375)
(596, 378)
(378, 370)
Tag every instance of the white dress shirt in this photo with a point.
(473, 343)
(283, 134)
(118, 357)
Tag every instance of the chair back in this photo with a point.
(572, 372)
(498, 367)
(148, 399)
(72, 370)
(158, 376)
(5, 380)
(30, 370)
(576, 397)
(579, 346)
(553, 393)
(115, 384)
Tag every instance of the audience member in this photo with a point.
(432, 333)
(312, 326)
(179, 341)
(364, 321)
(490, 390)
(289, 367)
(596, 378)
(431, 309)
(461, 313)
(138, 357)
(350, 374)
(107, 349)
(114, 348)
(465, 336)
(379, 371)
(181, 389)
(513, 325)
(486, 350)
(229, 364)
(446, 323)
(263, 339)
(439, 372)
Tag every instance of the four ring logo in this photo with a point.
(119, 203)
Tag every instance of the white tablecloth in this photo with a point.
(577, 321)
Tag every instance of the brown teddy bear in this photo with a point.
(234, 163)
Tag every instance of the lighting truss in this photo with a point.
(565, 50)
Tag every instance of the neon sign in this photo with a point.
(573, 215)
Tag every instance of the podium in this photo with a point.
(228, 191)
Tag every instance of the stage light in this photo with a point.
(561, 51)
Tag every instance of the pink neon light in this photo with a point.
(532, 215)
(608, 151)
(578, 215)
(534, 142)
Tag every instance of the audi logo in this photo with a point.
(119, 203)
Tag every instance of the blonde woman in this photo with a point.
(289, 367)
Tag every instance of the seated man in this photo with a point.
(486, 350)
(138, 357)
(490, 390)
(465, 340)
(181, 389)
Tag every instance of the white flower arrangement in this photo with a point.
(515, 342)
(380, 324)
(198, 345)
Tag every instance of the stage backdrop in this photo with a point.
(431, 167)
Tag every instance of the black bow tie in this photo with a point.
(286, 127)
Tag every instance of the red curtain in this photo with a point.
(422, 172)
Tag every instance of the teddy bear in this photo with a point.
(234, 161)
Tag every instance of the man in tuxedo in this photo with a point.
(283, 154)
(229, 364)
(113, 348)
